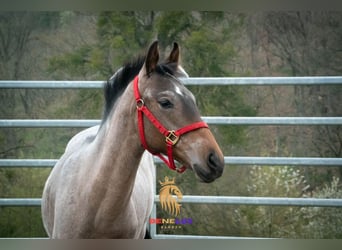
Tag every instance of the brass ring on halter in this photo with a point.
(171, 138)
(140, 103)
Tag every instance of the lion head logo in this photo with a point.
(167, 201)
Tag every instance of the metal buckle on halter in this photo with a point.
(140, 103)
(171, 138)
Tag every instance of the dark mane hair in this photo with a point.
(117, 84)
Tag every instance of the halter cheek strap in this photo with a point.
(171, 136)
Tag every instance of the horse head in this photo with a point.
(172, 117)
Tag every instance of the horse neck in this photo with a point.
(118, 151)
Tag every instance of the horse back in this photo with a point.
(61, 175)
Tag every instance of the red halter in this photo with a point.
(171, 136)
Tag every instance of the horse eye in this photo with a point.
(165, 103)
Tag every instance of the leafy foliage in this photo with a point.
(289, 222)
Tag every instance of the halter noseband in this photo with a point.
(171, 136)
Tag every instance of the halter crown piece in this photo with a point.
(171, 136)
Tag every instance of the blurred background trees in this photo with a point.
(71, 45)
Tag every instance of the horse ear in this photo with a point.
(152, 58)
(174, 55)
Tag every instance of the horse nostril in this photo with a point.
(214, 162)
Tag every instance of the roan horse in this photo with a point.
(102, 186)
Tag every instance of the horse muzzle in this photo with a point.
(213, 169)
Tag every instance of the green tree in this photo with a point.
(174, 26)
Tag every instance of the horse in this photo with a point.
(103, 184)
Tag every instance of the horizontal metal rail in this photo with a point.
(20, 202)
(214, 120)
(281, 161)
(203, 237)
(202, 81)
(221, 120)
(223, 200)
(233, 160)
(27, 163)
(316, 80)
(260, 201)
(51, 84)
(45, 123)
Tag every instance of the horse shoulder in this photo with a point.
(81, 138)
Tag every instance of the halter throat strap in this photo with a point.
(171, 136)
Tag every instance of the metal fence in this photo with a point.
(217, 120)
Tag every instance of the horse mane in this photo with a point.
(116, 85)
